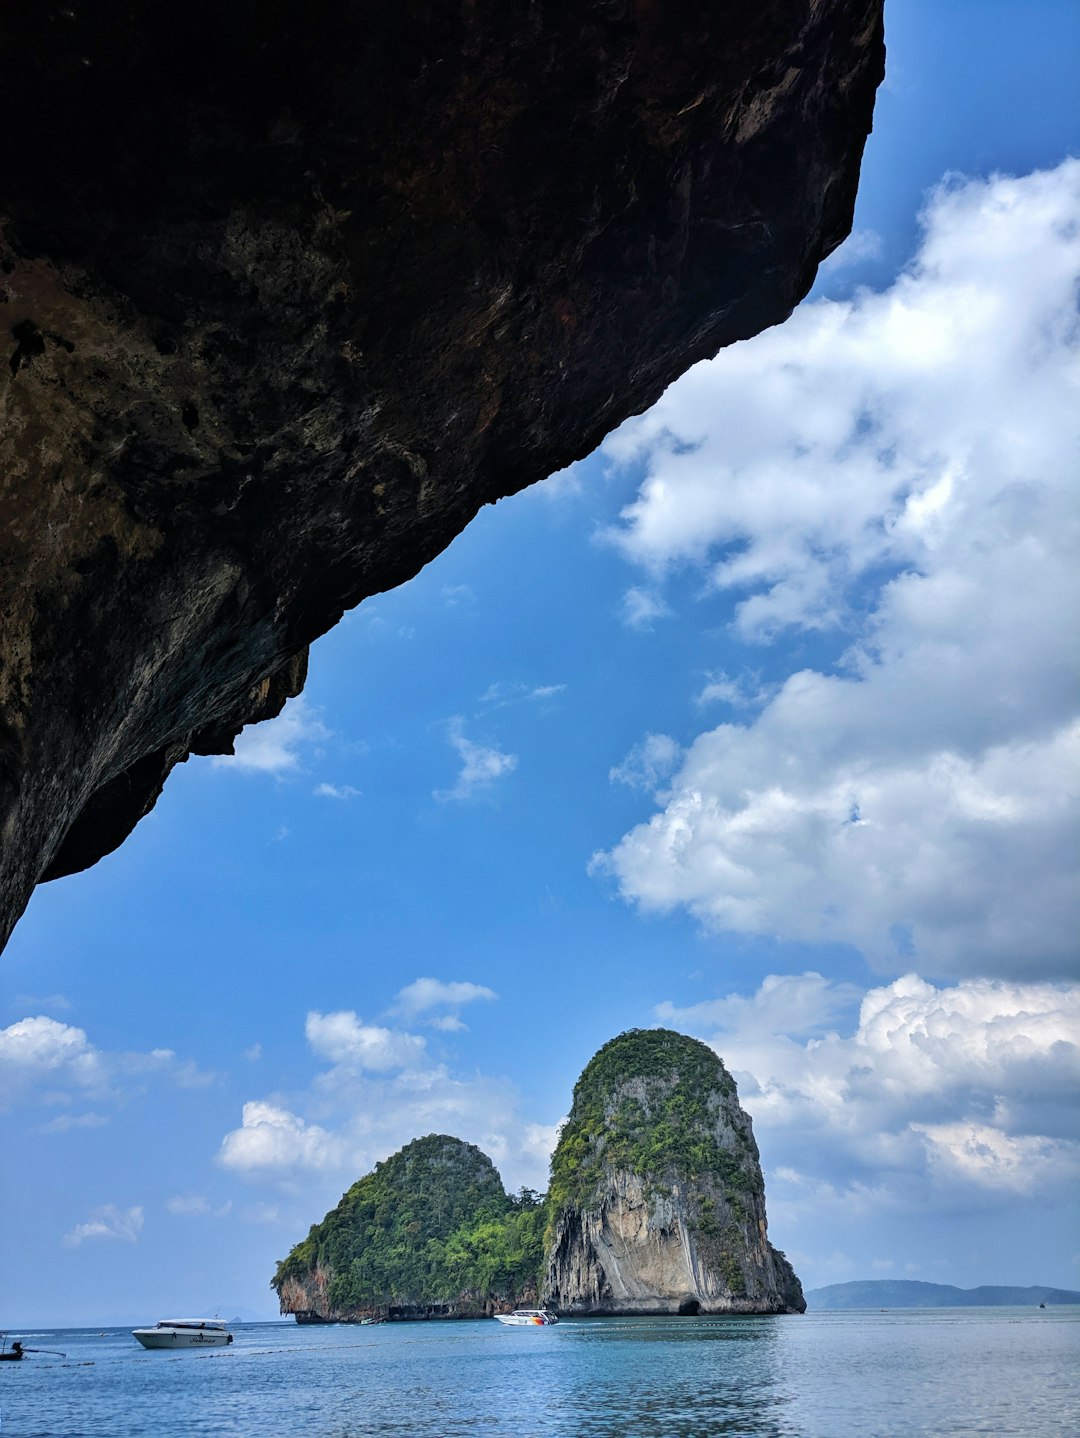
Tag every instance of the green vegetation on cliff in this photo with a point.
(428, 1224)
(655, 1125)
(669, 1138)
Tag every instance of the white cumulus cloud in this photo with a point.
(343, 1039)
(39, 1046)
(42, 1058)
(985, 1155)
(898, 470)
(273, 1138)
(276, 746)
(919, 1088)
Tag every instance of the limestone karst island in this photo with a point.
(656, 1205)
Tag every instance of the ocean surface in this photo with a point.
(1008, 1371)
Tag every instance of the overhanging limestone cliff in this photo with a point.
(291, 290)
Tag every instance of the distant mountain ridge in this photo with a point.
(910, 1293)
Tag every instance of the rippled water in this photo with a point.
(1003, 1372)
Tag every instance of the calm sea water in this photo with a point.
(1003, 1372)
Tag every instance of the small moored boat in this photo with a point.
(17, 1352)
(184, 1333)
(528, 1318)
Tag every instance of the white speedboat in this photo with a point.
(528, 1318)
(184, 1333)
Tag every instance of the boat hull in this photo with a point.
(182, 1337)
(527, 1320)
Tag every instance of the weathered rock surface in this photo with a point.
(291, 290)
(657, 1194)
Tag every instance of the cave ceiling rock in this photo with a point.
(292, 289)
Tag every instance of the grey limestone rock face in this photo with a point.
(292, 289)
(657, 1190)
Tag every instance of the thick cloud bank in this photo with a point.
(908, 1101)
(899, 469)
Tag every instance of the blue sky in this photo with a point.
(759, 723)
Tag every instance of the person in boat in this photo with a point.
(17, 1348)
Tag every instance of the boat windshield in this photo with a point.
(191, 1323)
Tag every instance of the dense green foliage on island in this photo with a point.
(433, 1226)
(431, 1222)
(672, 1139)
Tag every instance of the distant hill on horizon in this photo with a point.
(911, 1293)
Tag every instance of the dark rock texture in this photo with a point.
(657, 1203)
(291, 289)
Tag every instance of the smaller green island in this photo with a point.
(429, 1233)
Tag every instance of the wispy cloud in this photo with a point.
(40, 1003)
(501, 694)
(268, 1213)
(440, 1003)
(375, 626)
(641, 607)
(481, 766)
(653, 760)
(64, 1122)
(744, 691)
(458, 596)
(562, 485)
(194, 1205)
(860, 245)
(108, 1222)
(336, 791)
